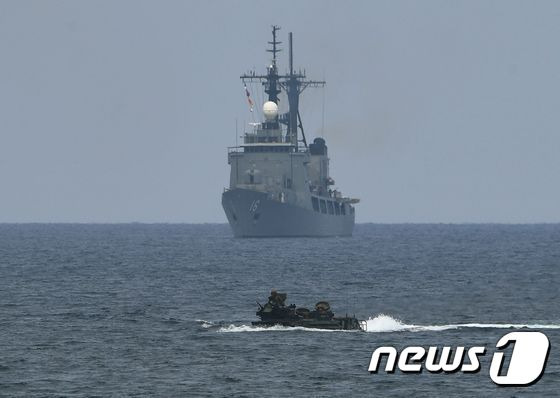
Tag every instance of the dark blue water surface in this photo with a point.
(165, 310)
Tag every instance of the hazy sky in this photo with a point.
(435, 111)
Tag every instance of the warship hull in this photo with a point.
(253, 214)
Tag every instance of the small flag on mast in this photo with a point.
(249, 98)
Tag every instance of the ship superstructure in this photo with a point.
(280, 185)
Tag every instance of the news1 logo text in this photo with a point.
(526, 365)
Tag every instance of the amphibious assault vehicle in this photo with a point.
(276, 312)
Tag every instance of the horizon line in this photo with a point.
(225, 223)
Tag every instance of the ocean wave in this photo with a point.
(380, 324)
(386, 323)
(205, 324)
(275, 328)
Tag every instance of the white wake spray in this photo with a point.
(384, 324)
(275, 328)
(205, 324)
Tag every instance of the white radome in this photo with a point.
(270, 110)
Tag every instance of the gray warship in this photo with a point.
(279, 185)
(276, 312)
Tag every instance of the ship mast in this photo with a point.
(293, 84)
(271, 82)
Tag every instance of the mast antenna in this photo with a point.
(274, 43)
(291, 57)
(293, 84)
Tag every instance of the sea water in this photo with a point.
(166, 310)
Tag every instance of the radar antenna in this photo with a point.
(274, 43)
(293, 84)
